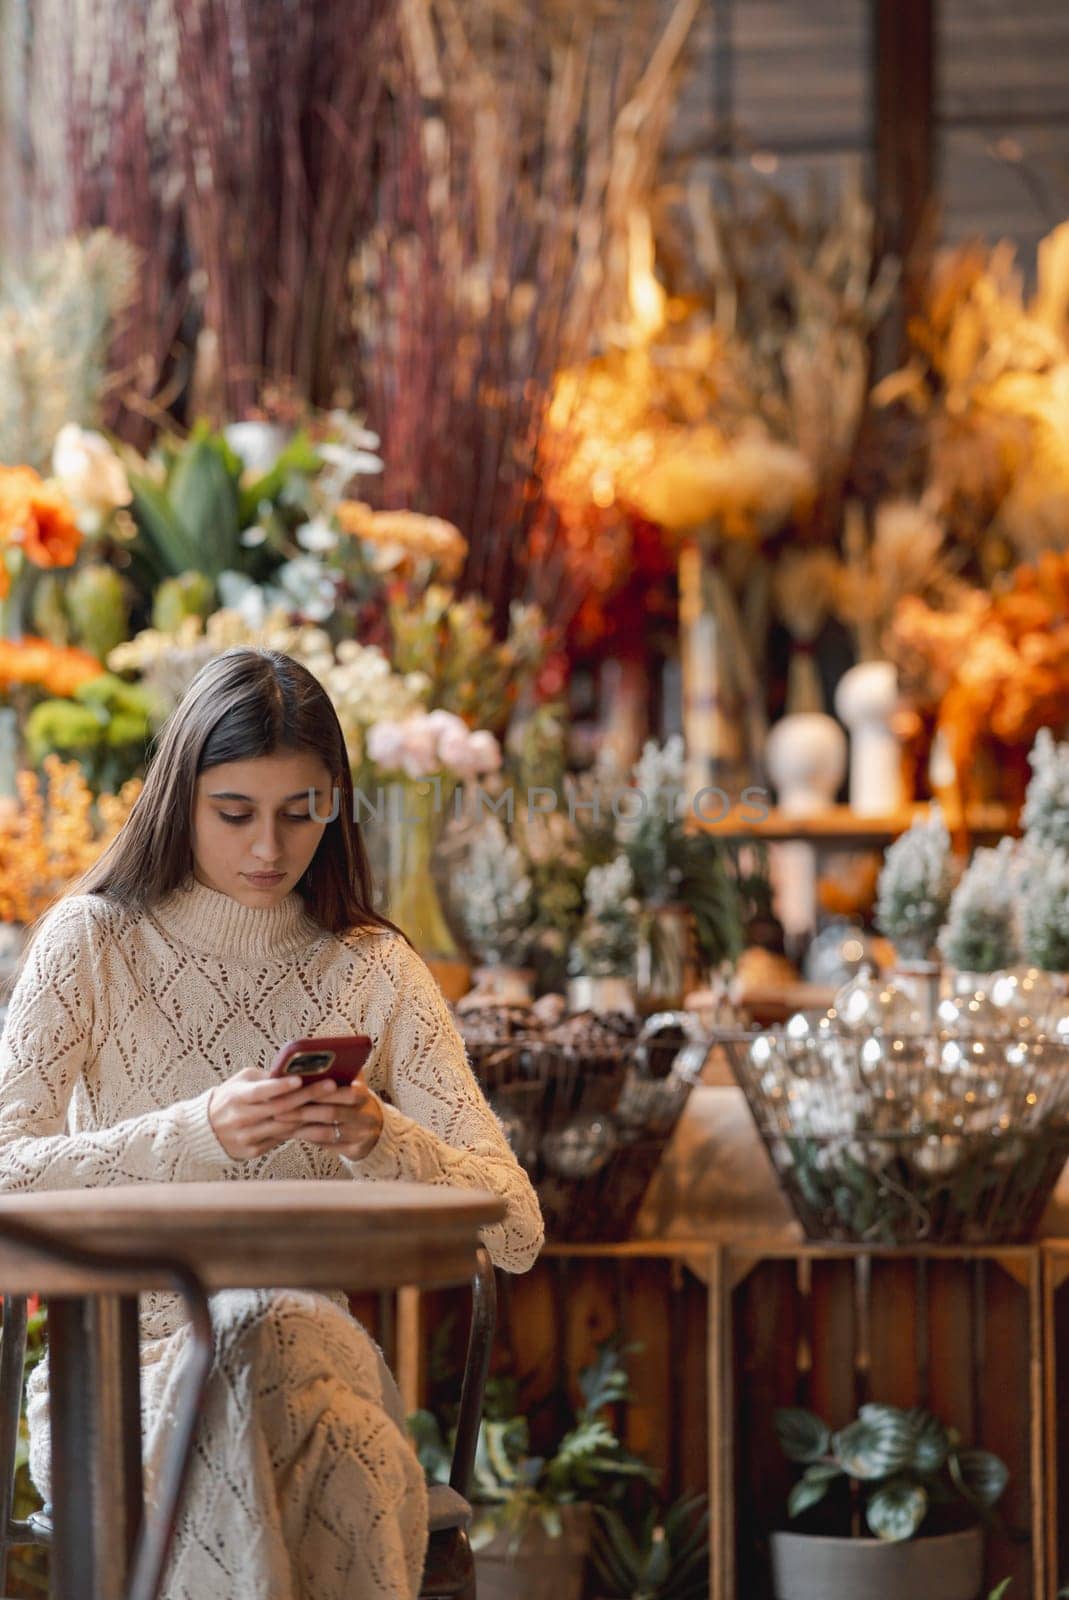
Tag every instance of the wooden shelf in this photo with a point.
(841, 826)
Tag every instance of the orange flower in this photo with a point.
(35, 515)
(51, 536)
(59, 669)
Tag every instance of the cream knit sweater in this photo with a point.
(119, 1027)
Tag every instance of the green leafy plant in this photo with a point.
(106, 724)
(901, 1462)
(192, 515)
(667, 1559)
(511, 1487)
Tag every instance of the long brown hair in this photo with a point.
(246, 702)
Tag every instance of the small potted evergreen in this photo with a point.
(895, 1504)
(980, 936)
(913, 895)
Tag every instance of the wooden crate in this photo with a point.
(550, 1321)
(956, 1330)
(1056, 1407)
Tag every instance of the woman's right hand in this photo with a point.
(252, 1113)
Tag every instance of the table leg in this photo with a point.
(96, 1444)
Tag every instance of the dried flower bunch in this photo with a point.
(996, 667)
(990, 376)
(56, 322)
(52, 834)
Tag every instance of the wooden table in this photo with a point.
(311, 1235)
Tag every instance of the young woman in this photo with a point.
(223, 920)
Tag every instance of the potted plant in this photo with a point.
(532, 1528)
(893, 1473)
(980, 936)
(666, 1559)
(690, 901)
(602, 958)
(495, 907)
(913, 895)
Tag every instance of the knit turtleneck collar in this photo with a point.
(217, 924)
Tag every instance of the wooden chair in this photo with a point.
(449, 1569)
(94, 1273)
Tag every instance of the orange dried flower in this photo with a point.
(48, 841)
(36, 515)
(59, 669)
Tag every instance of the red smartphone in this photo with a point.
(312, 1060)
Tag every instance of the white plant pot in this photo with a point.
(866, 699)
(601, 994)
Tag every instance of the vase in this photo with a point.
(723, 700)
(805, 757)
(600, 994)
(412, 899)
(866, 699)
(665, 965)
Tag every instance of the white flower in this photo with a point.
(308, 587)
(251, 537)
(317, 536)
(88, 470)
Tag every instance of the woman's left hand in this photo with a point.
(346, 1120)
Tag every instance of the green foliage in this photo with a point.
(905, 1459)
(106, 725)
(192, 521)
(510, 1486)
(189, 594)
(667, 1559)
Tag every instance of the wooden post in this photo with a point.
(903, 45)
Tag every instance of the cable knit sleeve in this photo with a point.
(439, 1128)
(47, 1042)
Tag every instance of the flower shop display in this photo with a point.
(884, 1129)
(588, 1101)
(903, 1470)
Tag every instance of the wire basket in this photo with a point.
(892, 1139)
(589, 1119)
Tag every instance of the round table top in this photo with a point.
(343, 1234)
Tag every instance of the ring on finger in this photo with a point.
(337, 1131)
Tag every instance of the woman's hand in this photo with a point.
(346, 1120)
(252, 1114)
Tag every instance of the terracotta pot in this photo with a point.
(945, 1567)
(540, 1567)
